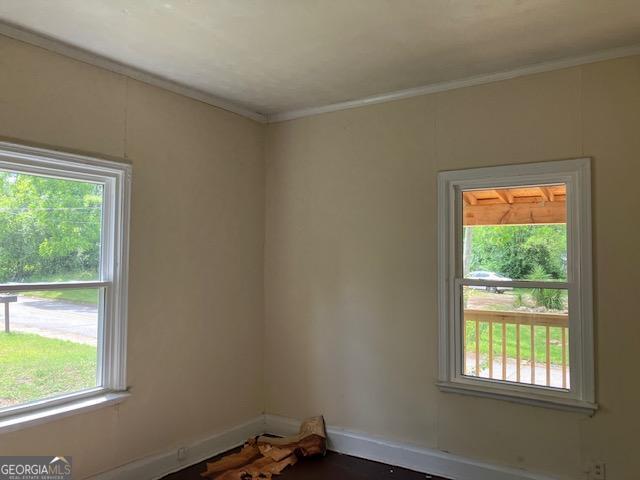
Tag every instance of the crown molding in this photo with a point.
(461, 83)
(86, 56)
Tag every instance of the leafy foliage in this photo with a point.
(48, 226)
(545, 297)
(517, 250)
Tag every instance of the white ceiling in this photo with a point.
(274, 56)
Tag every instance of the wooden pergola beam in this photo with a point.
(515, 213)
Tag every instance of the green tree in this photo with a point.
(48, 227)
(516, 250)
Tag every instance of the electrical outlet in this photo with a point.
(598, 471)
(182, 454)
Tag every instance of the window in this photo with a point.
(63, 278)
(515, 292)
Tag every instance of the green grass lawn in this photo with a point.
(81, 295)
(34, 367)
(525, 341)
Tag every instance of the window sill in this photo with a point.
(49, 413)
(570, 405)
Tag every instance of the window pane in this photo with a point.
(515, 234)
(518, 335)
(50, 229)
(50, 346)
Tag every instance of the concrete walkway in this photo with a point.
(54, 319)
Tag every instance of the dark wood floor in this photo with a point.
(332, 467)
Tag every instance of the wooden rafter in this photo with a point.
(505, 195)
(516, 206)
(470, 198)
(547, 194)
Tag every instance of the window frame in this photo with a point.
(112, 282)
(576, 174)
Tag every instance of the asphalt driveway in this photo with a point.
(54, 319)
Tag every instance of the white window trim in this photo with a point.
(112, 334)
(577, 176)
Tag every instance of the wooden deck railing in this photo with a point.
(520, 320)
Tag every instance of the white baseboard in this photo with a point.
(404, 455)
(340, 440)
(157, 466)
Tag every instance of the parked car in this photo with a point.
(485, 275)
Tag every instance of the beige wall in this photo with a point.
(197, 229)
(350, 262)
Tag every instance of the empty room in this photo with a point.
(319, 239)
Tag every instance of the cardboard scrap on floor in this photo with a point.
(264, 457)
